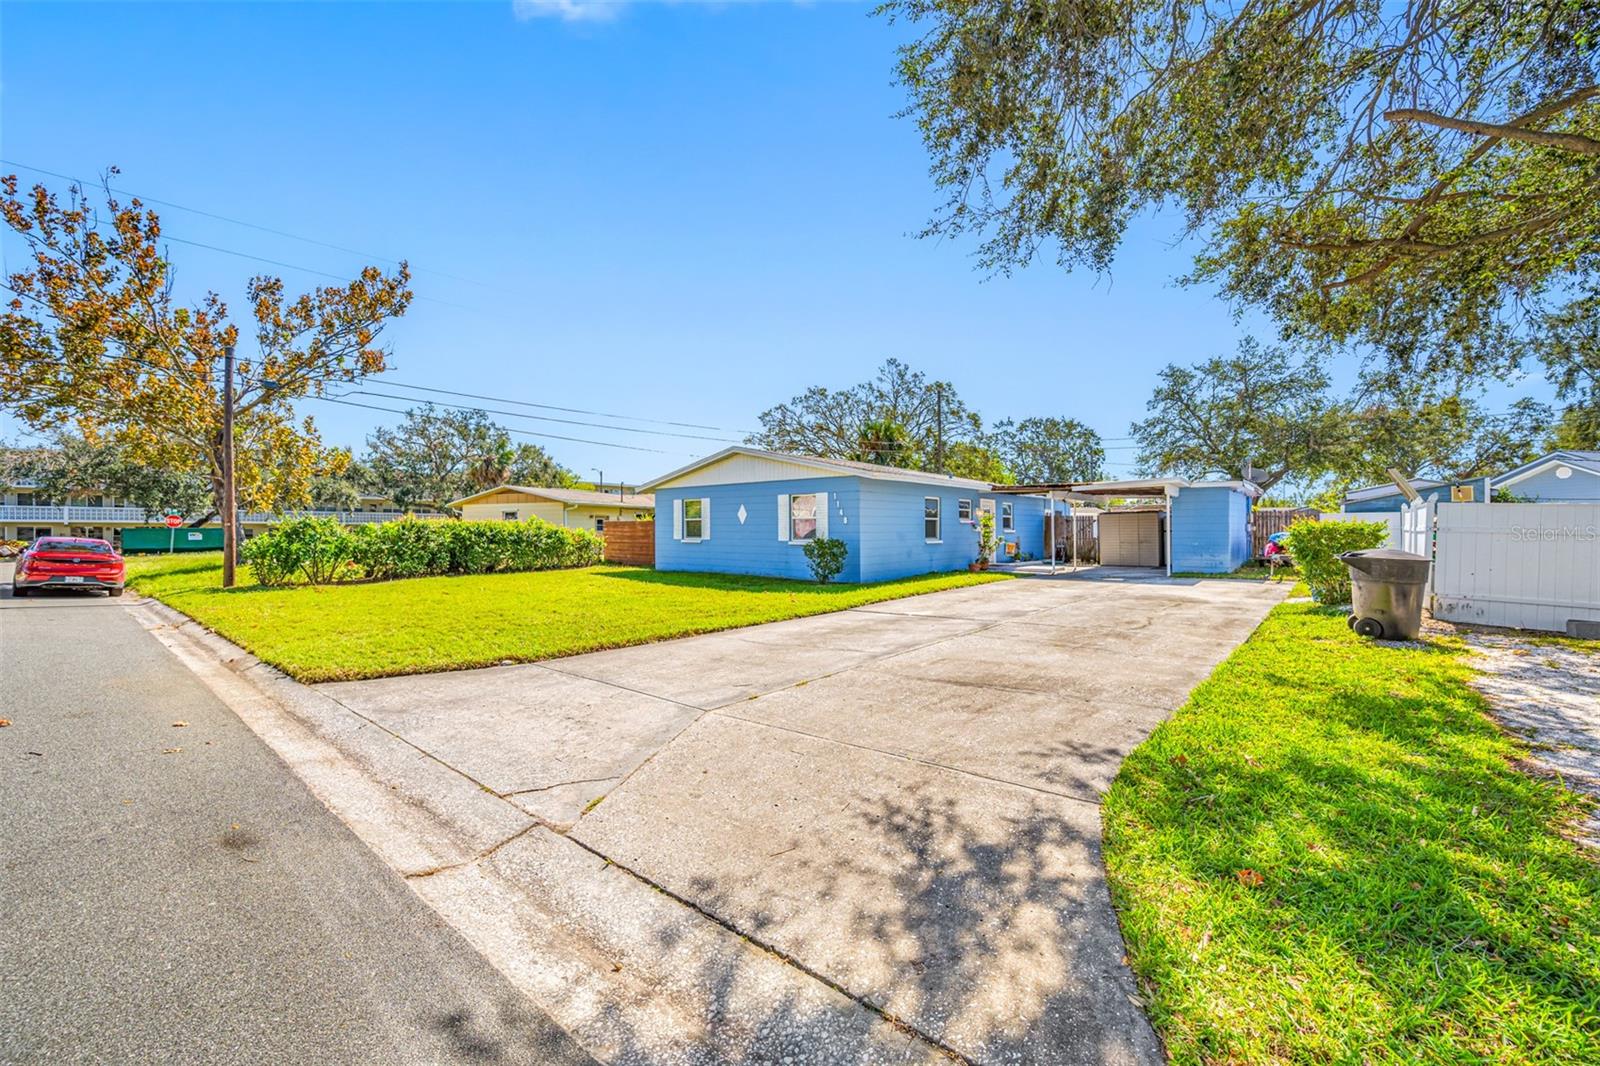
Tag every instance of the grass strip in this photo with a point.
(1329, 854)
(422, 625)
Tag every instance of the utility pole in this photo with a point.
(230, 502)
(938, 426)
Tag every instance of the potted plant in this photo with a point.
(985, 541)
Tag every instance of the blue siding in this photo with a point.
(1028, 518)
(1210, 530)
(754, 547)
(1396, 502)
(1545, 487)
(892, 544)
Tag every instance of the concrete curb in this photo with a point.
(633, 974)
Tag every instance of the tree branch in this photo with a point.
(1571, 142)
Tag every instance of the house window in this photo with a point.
(803, 517)
(930, 518)
(599, 525)
(1008, 521)
(508, 516)
(964, 510)
(693, 520)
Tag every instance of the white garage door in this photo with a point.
(1130, 539)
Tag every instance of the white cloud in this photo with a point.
(567, 10)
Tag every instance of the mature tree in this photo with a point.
(1415, 176)
(438, 454)
(1257, 407)
(1446, 437)
(1050, 450)
(830, 423)
(1569, 344)
(980, 462)
(93, 337)
(77, 466)
(885, 442)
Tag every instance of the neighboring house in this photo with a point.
(1566, 476)
(574, 508)
(748, 511)
(1388, 497)
(26, 513)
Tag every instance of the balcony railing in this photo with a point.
(73, 514)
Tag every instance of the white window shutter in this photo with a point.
(677, 519)
(822, 515)
(705, 518)
(783, 518)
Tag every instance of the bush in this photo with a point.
(1316, 546)
(826, 556)
(320, 550)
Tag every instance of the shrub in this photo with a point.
(1316, 547)
(319, 550)
(826, 556)
(986, 543)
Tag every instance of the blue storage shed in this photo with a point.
(1203, 527)
(749, 511)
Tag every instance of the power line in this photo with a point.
(566, 410)
(549, 418)
(250, 225)
(519, 432)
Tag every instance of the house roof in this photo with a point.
(1155, 486)
(573, 497)
(1586, 461)
(835, 467)
(1389, 488)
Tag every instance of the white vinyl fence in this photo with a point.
(1528, 565)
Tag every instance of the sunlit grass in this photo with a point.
(450, 623)
(1328, 855)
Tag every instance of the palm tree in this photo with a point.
(885, 442)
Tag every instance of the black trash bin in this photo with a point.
(1386, 587)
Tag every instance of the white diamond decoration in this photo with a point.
(743, 514)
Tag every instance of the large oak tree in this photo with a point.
(1422, 176)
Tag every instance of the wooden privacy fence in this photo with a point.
(631, 543)
(1265, 521)
(1088, 543)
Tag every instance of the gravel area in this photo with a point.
(1549, 693)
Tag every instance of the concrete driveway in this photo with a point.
(900, 800)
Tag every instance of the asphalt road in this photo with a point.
(173, 893)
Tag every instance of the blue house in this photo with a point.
(1387, 497)
(748, 511)
(1567, 476)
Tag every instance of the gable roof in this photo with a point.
(1389, 488)
(572, 497)
(1586, 461)
(824, 467)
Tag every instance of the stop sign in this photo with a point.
(174, 521)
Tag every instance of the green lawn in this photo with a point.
(339, 632)
(1328, 855)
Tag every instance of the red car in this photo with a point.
(68, 563)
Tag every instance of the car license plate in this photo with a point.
(73, 580)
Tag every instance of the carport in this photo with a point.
(1213, 519)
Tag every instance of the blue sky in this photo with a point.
(679, 211)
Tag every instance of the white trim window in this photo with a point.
(930, 519)
(803, 517)
(1008, 518)
(508, 516)
(964, 511)
(694, 519)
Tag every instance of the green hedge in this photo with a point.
(1316, 546)
(321, 551)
